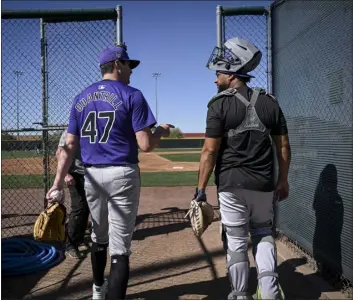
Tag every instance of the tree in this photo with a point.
(7, 136)
(176, 133)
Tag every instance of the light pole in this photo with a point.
(17, 73)
(156, 75)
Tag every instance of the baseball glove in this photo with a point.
(201, 216)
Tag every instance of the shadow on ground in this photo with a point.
(173, 220)
(295, 285)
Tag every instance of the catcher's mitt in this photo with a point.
(201, 216)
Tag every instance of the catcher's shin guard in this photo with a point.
(201, 216)
(265, 255)
(235, 242)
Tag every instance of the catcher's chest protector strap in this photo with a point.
(228, 92)
(251, 121)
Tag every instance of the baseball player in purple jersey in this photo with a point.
(109, 120)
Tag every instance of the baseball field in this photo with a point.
(167, 261)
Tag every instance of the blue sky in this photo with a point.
(174, 38)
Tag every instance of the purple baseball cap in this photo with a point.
(116, 53)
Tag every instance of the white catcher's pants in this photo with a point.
(244, 211)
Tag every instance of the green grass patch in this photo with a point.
(182, 157)
(181, 150)
(148, 179)
(21, 181)
(19, 154)
(157, 150)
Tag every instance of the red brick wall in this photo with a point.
(194, 135)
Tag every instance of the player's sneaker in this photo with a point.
(257, 295)
(100, 292)
(73, 252)
(233, 296)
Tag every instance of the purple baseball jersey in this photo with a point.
(106, 116)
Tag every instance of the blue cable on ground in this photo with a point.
(21, 256)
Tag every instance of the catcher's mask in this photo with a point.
(236, 56)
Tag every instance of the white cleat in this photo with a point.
(100, 292)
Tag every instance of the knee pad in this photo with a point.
(261, 233)
(235, 242)
(264, 236)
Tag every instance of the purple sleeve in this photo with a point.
(73, 127)
(142, 116)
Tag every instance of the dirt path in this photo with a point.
(152, 162)
(167, 261)
(149, 162)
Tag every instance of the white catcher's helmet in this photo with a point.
(236, 56)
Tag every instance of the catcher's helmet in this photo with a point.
(236, 56)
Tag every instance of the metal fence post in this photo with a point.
(119, 26)
(269, 51)
(44, 73)
(219, 24)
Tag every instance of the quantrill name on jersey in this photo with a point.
(98, 96)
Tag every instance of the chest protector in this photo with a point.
(50, 224)
(251, 122)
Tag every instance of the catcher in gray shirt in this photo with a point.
(78, 217)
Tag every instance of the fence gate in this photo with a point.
(308, 67)
(48, 58)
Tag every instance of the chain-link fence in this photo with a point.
(73, 65)
(48, 58)
(312, 79)
(249, 23)
(309, 68)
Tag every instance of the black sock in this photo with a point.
(119, 277)
(99, 261)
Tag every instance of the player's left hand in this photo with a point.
(69, 180)
(282, 190)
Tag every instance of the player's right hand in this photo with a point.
(166, 129)
(53, 188)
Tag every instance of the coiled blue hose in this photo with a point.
(21, 256)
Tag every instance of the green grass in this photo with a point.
(148, 179)
(184, 150)
(31, 154)
(177, 150)
(21, 181)
(19, 154)
(182, 157)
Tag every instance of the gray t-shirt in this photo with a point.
(76, 166)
